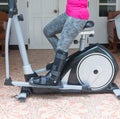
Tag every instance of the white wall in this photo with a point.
(24, 25)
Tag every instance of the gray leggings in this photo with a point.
(68, 27)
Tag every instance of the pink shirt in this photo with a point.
(77, 9)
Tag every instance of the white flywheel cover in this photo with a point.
(96, 69)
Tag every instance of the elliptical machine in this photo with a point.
(92, 69)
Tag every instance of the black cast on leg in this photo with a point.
(53, 77)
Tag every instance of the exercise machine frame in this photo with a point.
(65, 86)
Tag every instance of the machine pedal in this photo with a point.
(26, 84)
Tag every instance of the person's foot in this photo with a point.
(44, 80)
(52, 77)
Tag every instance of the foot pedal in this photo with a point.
(117, 93)
(26, 84)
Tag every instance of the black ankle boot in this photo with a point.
(53, 77)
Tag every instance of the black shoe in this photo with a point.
(44, 80)
(53, 77)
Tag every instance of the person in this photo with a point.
(69, 24)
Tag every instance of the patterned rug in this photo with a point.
(52, 106)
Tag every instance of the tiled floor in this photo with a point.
(54, 106)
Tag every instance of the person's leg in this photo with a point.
(53, 28)
(71, 29)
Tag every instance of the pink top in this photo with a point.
(77, 9)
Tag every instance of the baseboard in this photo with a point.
(105, 45)
(15, 47)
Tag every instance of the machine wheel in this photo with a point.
(97, 70)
